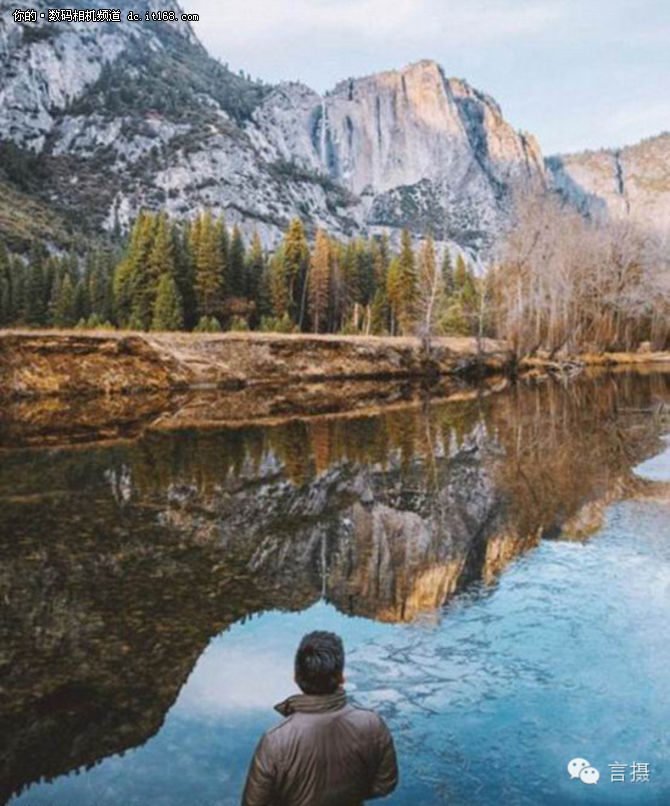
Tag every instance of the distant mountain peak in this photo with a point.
(630, 183)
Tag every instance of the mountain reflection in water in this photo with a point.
(119, 563)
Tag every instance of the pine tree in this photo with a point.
(53, 297)
(431, 286)
(123, 293)
(264, 295)
(379, 315)
(382, 260)
(464, 281)
(37, 302)
(454, 321)
(465, 290)
(258, 288)
(64, 310)
(168, 313)
(185, 273)
(365, 262)
(394, 293)
(208, 324)
(279, 287)
(408, 280)
(143, 277)
(131, 275)
(160, 262)
(448, 274)
(350, 288)
(51, 273)
(6, 313)
(82, 305)
(380, 304)
(100, 288)
(18, 283)
(296, 261)
(319, 282)
(456, 317)
(209, 266)
(224, 253)
(237, 282)
(338, 287)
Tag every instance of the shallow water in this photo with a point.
(499, 570)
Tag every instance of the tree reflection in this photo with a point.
(118, 563)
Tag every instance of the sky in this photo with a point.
(576, 73)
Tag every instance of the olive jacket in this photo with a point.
(326, 752)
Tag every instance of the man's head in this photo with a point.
(319, 663)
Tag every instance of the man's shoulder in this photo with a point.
(365, 716)
(354, 712)
(275, 732)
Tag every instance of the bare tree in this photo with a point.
(563, 282)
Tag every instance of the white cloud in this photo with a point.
(230, 678)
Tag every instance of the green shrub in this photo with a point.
(274, 324)
(208, 324)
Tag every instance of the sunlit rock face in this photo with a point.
(631, 183)
(401, 127)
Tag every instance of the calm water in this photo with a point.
(499, 568)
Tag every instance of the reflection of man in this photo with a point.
(327, 752)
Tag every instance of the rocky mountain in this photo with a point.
(100, 119)
(629, 183)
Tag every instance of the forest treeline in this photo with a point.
(558, 282)
(200, 275)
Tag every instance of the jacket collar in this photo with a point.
(313, 703)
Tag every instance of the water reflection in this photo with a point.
(120, 562)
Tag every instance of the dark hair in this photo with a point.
(319, 663)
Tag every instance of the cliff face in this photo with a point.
(136, 114)
(415, 148)
(632, 183)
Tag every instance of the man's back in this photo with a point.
(327, 752)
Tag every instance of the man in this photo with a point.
(327, 751)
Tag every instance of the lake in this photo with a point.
(498, 566)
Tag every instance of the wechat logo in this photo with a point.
(580, 768)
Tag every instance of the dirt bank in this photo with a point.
(37, 364)
(49, 363)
